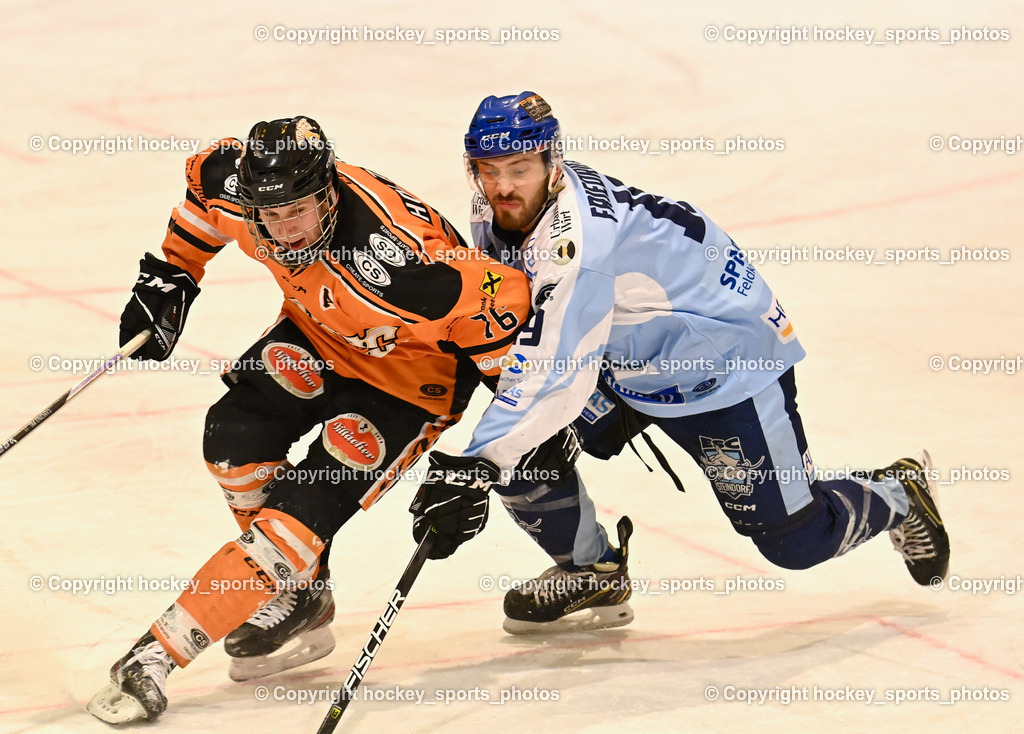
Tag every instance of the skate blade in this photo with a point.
(305, 648)
(585, 620)
(114, 706)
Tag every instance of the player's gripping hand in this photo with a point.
(452, 500)
(160, 302)
(552, 461)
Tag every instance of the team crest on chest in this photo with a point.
(377, 342)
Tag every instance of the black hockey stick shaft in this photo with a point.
(347, 692)
(128, 349)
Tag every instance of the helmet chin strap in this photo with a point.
(555, 185)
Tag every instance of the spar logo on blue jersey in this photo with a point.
(738, 276)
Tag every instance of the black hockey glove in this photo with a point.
(160, 301)
(453, 500)
(550, 463)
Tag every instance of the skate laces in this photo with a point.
(154, 660)
(913, 540)
(556, 583)
(275, 611)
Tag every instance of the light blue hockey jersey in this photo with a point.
(640, 289)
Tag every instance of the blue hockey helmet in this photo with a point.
(520, 123)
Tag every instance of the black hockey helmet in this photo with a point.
(284, 162)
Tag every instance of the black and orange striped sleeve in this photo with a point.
(210, 215)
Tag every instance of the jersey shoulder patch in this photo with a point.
(212, 174)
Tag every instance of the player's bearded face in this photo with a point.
(297, 225)
(516, 187)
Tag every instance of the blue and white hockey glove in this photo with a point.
(160, 302)
(452, 500)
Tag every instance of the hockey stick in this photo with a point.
(347, 692)
(128, 349)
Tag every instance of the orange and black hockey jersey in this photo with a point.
(396, 300)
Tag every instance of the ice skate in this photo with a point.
(292, 630)
(594, 597)
(921, 538)
(137, 690)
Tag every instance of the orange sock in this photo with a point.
(239, 579)
(246, 487)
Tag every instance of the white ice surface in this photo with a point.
(114, 485)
